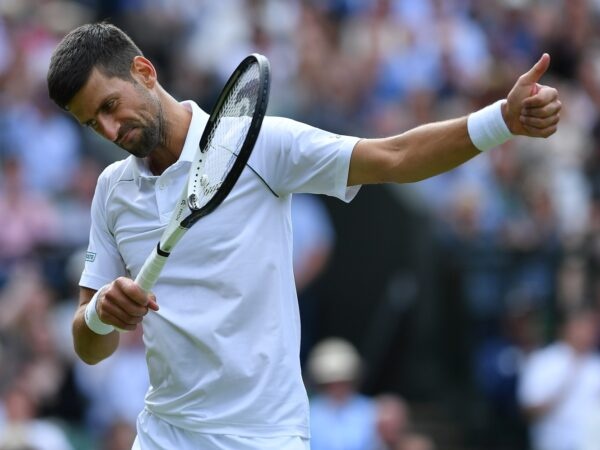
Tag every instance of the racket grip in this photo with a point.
(151, 270)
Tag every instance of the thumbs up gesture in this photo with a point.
(532, 109)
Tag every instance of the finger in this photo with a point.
(540, 123)
(535, 73)
(111, 313)
(152, 302)
(545, 96)
(128, 325)
(542, 112)
(122, 326)
(132, 291)
(115, 303)
(536, 132)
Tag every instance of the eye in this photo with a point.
(91, 124)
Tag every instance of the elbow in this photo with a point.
(87, 357)
(90, 361)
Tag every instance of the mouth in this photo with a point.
(125, 138)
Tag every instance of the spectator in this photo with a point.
(46, 143)
(33, 357)
(28, 220)
(560, 386)
(498, 365)
(74, 205)
(313, 240)
(394, 427)
(21, 430)
(115, 387)
(341, 418)
(393, 421)
(118, 436)
(416, 441)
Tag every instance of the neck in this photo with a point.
(174, 128)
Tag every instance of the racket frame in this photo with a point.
(179, 222)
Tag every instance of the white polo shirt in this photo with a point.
(222, 352)
(557, 371)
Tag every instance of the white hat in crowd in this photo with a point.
(334, 360)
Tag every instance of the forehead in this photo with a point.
(94, 92)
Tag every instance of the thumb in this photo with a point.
(535, 73)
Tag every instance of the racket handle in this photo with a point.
(151, 269)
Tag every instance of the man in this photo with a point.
(222, 349)
(559, 389)
(341, 418)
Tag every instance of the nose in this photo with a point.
(107, 127)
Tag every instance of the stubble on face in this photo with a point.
(150, 127)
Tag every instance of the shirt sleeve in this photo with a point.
(103, 263)
(293, 157)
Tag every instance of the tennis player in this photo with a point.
(221, 329)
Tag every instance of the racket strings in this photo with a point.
(226, 139)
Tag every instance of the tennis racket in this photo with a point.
(225, 147)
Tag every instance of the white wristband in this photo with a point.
(93, 320)
(487, 128)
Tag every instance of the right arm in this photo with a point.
(89, 346)
(122, 304)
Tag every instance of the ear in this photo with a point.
(143, 71)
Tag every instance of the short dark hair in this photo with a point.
(98, 45)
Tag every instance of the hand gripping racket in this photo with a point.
(225, 147)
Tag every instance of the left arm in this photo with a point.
(422, 152)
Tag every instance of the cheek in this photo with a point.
(148, 115)
(147, 106)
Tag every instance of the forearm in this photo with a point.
(417, 154)
(539, 410)
(533, 413)
(89, 346)
(553, 399)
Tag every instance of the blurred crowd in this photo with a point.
(517, 230)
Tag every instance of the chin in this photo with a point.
(138, 152)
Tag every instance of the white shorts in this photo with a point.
(155, 434)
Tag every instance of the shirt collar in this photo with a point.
(192, 140)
